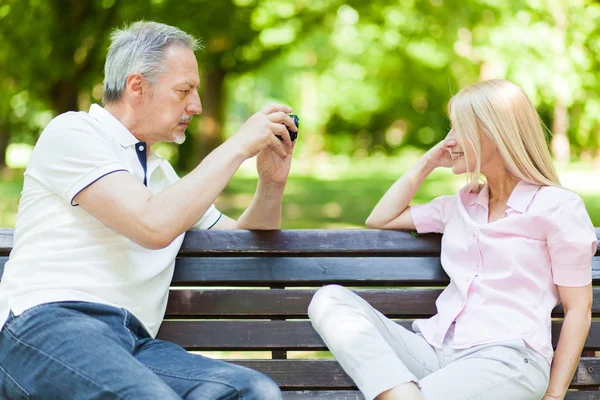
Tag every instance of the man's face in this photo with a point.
(173, 100)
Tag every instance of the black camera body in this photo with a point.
(293, 135)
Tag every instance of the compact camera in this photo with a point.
(293, 135)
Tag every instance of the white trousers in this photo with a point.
(379, 354)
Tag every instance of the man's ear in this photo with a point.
(134, 87)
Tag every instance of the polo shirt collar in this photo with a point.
(113, 126)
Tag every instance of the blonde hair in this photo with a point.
(500, 110)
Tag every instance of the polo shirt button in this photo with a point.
(141, 148)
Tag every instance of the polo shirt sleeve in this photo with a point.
(70, 155)
(432, 216)
(571, 244)
(209, 219)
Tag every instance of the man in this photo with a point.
(100, 222)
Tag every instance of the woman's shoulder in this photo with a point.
(556, 195)
(557, 199)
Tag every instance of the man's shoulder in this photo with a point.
(73, 120)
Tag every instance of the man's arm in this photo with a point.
(264, 211)
(154, 221)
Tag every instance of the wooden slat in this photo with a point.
(299, 242)
(279, 303)
(287, 304)
(328, 374)
(279, 335)
(317, 271)
(356, 395)
(309, 242)
(324, 395)
(304, 271)
(307, 271)
(6, 241)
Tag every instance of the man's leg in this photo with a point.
(195, 377)
(57, 351)
(375, 352)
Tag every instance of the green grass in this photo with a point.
(334, 192)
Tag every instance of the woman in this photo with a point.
(513, 247)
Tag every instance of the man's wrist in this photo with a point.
(270, 187)
(238, 152)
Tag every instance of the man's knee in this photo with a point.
(261, 387)
(239, 383)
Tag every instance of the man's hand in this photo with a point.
(261, 132)
(271, 167)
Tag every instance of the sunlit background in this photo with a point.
(370, 81)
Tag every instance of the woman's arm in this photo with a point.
(577, 305)
(392, 211)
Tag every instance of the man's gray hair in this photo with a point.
(140, 47)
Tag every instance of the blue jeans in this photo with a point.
(79, 350)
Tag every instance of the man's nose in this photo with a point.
(195, 105)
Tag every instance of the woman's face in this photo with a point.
(457, 149)
(461, 150)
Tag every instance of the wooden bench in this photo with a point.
(249, 291)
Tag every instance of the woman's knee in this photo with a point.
(326, 300)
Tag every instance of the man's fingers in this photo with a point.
(277, 146)
(271, 108)
(283, 118)
(281, 131)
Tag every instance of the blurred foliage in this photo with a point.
(337, 192)
(365, 76)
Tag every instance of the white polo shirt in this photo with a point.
(63, 253)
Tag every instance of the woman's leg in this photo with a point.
(498, 371)
(375, 352)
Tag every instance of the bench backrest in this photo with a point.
(250, 290)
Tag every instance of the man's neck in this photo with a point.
(124, 114)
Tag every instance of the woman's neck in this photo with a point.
(501, 184)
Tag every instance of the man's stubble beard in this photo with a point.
(179, 139)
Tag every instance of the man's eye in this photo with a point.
(185, 91)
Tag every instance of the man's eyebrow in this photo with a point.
(189, 84)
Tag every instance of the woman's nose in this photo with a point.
(450, 139)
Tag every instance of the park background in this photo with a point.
(370, 81)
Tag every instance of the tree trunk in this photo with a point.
(560, 141)
(210, 135)
(64, 97)
(4, 138)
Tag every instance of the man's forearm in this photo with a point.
(573, 334)
(265, 210)
(175, 209)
